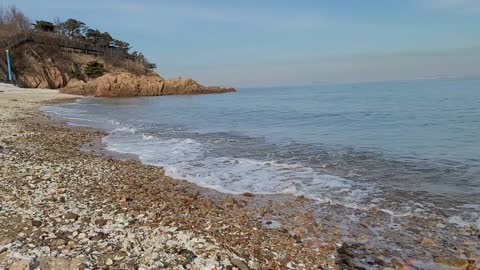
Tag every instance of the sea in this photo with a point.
(404, 146)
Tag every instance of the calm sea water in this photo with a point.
(406, 146)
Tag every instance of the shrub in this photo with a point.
(94, 69)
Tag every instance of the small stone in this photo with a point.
(300, 199)
(82, 236)
(36, 223)
(57, 242)
(364, 224)
(61, 191)
(118, 258)
(100, 222)
(375, 210)
(248, 194)
(398, 265)
(455, 263)
(20, 265)
(239, 264)
(71, 216)
(428, 242)
(109, 261)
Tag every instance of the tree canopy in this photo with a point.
(13, 21)
(45, 26)
(72, 27)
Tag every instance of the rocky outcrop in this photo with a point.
(119, 85)
(44, 67)
(129, 85)
(42, 72)
(187, 86)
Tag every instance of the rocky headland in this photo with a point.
(40, 67)
(80, 60)
(129, 85)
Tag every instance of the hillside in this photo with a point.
(77, 59)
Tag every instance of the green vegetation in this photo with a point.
(13, 22)
(72, 28)
(94, 69)
(45, 26)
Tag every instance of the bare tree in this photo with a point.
(22, 23)
(13, 21)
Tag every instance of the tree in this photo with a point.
(93, 35)
(94, 69)
(72, 27)
(125, 46)
(45, 26)
(13, 20)
(106, 39)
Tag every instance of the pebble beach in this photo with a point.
(67, 203)
(63, 208)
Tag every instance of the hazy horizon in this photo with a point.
(268, 43)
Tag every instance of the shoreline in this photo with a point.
(78, 210)
(278, 231)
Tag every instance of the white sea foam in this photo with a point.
(147, 137)
(460, 222)
(188, 159)
(125, 129)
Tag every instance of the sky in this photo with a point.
(247, 43)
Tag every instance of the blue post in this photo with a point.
(9, 67)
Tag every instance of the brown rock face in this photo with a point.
(44, 73)
(187, 86)
(130, 85)
(41, 67)
(119, 85)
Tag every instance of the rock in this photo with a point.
(301, 199)
(455, 263)
(57, 242)
(121, 84)
(428, 242)
(248, 194)
(36, 223)
(187, 86)
(59, 263)
(71, 216)
(100, 222)
(125, 84)
(364, 223)
(397, 264)
(239, 264)
(109, 261)
(42, 72)
(20, 265)
(118, 258)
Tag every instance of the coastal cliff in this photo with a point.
(41, 67)
(77, 59)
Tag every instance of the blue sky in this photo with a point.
(279, 42)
